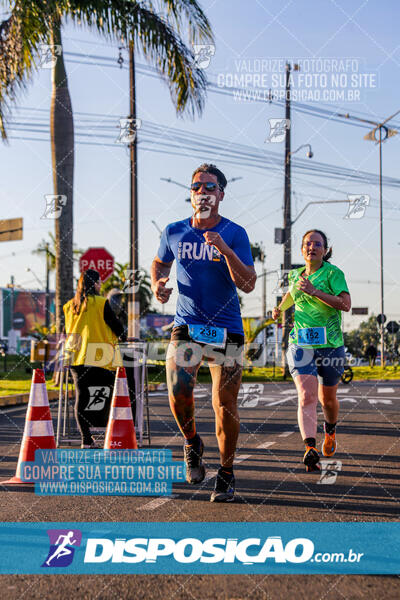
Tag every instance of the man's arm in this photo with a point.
(159, 276)
(243, 276)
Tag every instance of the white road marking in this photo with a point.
(157, 502)
(273, 403)
(379, 401)
(291, 391)
(285, 433)
(348, 400)
(265, 445)
(241, 457)
(343, 390)
(385, 390)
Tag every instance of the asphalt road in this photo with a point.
(361, 484)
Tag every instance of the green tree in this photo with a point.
(258, 252)
(368, 332)
(32, 23)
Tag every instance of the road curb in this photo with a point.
(15, 399)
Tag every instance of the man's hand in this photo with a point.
(214, 239)
(161, 292)
(306, 286)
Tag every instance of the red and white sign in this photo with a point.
(100, 260)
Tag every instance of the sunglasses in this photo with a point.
(209, 185)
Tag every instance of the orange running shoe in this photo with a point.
(311, 459)
(329, 444)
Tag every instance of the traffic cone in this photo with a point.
(120, 434)
(38, 432)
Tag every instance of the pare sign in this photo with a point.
(99, 259)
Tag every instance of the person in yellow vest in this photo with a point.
(91, 350)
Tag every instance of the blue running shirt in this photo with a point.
(207, 294)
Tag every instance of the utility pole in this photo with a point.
(381, 248)
(133, 299)
(287, 221)
(264, 307)
(264, 291)
(12, 285)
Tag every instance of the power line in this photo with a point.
(311, 110)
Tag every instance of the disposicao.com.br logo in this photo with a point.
(62, 547)
(248, 551)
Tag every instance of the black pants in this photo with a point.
(93, 392)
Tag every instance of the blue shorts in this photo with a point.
(325, 363)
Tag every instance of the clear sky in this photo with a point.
(247, 35)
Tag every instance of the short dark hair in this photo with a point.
(325, 240)
(213, 170)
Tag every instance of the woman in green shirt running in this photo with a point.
(316, 353)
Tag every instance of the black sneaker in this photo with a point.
(195, 470)
(224, 488)
(311, 459)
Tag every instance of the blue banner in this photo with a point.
(200, 548)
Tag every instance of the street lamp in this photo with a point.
(371, 136)
(309, 154)
(157, 227)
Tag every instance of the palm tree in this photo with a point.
(251, 329)
(158, 36)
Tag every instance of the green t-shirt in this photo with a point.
(311, 312)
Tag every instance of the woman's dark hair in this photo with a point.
(325, 240)
(213, 170)
(85, 288)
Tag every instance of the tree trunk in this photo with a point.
(62, 155)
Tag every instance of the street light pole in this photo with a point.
(371, 136)
(133, 300)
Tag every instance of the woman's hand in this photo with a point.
(306, 286)
(276, 313)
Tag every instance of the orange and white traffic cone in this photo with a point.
(120, 434)
(38, 432)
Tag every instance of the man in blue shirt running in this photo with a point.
(213, 258)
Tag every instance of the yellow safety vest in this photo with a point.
(90, 341)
